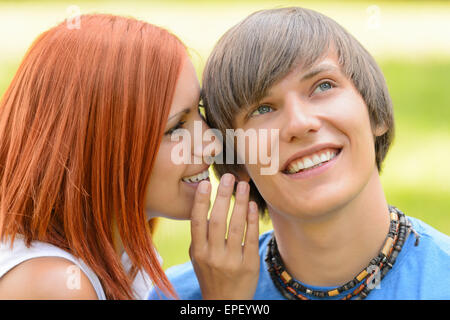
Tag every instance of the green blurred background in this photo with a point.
(409, 39)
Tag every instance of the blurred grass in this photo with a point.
(419, 90)
(416, 172)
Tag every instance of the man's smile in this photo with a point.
(310, 158)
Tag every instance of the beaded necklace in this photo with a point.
(399, 230)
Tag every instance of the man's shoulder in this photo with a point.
(431, 238)
(185, 272)
(421, 271)
(181, 270)
(184, 279)
(183, 276)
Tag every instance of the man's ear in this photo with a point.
(380, 129)
(242, 175)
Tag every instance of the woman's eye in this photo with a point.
(179, 125)
(324, 86)
(261, 110)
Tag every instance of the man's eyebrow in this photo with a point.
(319, 69)
(184, 111)
(312, 72)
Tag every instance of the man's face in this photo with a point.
(324, 128)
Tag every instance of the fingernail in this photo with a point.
(227, 179)
(241, 187)
(203, 187)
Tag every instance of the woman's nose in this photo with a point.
(207, 142)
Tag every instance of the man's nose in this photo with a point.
(299, 119)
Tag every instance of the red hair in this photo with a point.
(80, 127)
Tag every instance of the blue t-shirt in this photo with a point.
(420, 272)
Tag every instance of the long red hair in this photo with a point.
(80, 127)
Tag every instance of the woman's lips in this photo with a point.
(194, 184)
(194, 180)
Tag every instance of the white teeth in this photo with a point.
(308, 162)
(316, 159)
(198, 177)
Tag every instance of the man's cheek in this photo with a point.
(262, 155)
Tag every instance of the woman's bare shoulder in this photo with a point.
(46, 278)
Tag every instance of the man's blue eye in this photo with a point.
(261, 110)
(324, 86)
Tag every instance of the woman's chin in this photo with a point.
(182, 210)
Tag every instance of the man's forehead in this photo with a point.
(327, 63)
(302, 74)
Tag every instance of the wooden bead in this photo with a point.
(394, 216)
(362, 275)
(357, 291)
(321, 294)
(291, 290)
(333, 293)
(302, 297)
(285, 276)
(387, 246)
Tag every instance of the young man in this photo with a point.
(335, 236)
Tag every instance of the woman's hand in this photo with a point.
(225, 268)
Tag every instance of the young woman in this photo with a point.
(85, 163)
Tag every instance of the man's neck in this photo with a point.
(332, 250)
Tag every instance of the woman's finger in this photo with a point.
(238, 219)
(199, 214)
(218, 220)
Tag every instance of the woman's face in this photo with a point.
(171, 189)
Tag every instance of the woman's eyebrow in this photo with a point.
(319, 69)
